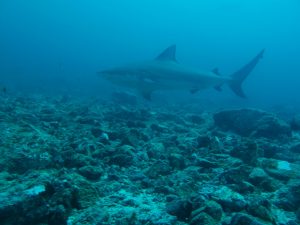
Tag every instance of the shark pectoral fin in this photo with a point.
(194, 90)
(168, 54)
(146, 94)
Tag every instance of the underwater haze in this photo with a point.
(58, 46)
(105, 117)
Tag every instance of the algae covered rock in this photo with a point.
(252, 122)
(180, 208)
(261, 207)
(123, 156)
(247, 151)
(202, 218)
(257, 176)
(295, 148)
(91, 172)
(280, 169)
(245, 219)
(230, 200)
(210, 212)
(177, 161)
(295, 123)
(91, 162)
(40, 198)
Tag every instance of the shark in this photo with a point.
(166, 73)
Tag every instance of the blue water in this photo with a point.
(58, 46)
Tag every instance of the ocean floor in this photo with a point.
(68, 161)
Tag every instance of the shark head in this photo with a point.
(125, 76)
(139, 74)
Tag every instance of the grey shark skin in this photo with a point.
(165, 73)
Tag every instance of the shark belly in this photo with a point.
(179, 79)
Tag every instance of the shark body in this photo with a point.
(165, 73)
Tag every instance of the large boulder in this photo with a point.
(252, 122)
(295, 123)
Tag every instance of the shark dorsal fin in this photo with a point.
(168, 54)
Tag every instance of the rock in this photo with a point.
(257, 175)
(86, 193)
(294, 187)
(252, 122)
(136, 124)
(77, 160)
(295, 148)
(273, 128)
(96, 132)
(241, 121)
(182, 209)
(123, 156)
(245, 187)
(36, 190)
(283, 217)
(270, 185)
(158, 128)
(23, 160)
(85, 161)
(298, 214)
(159, 168)
(272, 150)
(245, 219)
(201, 218)
(203, 141)
(279, 169)
(229, 200)
(128, 136)
(206, 163)
(214, 209)
(155, 150)
(236, 175)
(132, 208)
(91, 172)
(46, 203)
(11, 203)
(205, 211)
(288, 197)
(295, 123)
(196, 119)
(247, 151)
(261, 208)
(177, 161)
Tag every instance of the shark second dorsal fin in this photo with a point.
(168, 54)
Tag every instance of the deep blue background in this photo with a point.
(58, 46)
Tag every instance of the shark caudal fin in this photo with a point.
(238, 77)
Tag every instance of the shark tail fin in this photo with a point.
(239, 76)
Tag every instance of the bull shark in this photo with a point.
(165, 73)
